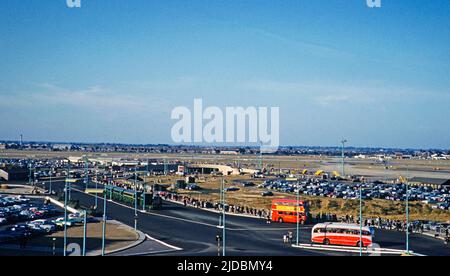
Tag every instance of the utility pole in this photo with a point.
(135, 198)
(104, 222)
(223, 214)
(260, 158)
(86, 171)
(30, 181)
(298, 213)
(96, 187)
(407, 219)
(65, 210)
(360, 220)
(50, 185)
(69, 185)
(144, 184)
(111, 183)
(343, 156)
(165, 166)
(84, 233)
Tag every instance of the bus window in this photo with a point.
(319, 230)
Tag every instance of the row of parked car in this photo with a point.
(21, 217)
(18, 209)
(334, 189)
(37, 227)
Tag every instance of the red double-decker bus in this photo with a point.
(289, 211)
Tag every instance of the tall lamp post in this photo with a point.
(403, 181)
(343, 156)
(135, 199)
(29, 174)
(84, 232)
(360, 219)
(407, 219)
(223, 222)
(65, 208)
(50, 184)
(86, 171)
(298, 213)
(96, 188)
(104, 222)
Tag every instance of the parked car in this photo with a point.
(60, 222)
(46, 225)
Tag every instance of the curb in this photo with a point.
(140, 240)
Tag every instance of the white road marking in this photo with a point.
(163, 243)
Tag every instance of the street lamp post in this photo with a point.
(298, 213)
(343, 156)
(50, 184)
(360, 220)
(407, 219)
(65, 209)
(135, 198)
(29, 174)
(69, 186)
(86, 172)
(223, 214)
(84, 233)
(111, 183)
(145, 187)
(96, 188)
(104, 222)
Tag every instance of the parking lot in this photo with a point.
(437, 199)
(22, 218)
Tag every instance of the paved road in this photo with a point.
(195, 230)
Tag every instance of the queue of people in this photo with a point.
(206, 204)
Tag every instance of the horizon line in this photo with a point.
(223, 146)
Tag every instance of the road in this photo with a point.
(194, 231)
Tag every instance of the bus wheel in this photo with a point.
(358, 244)
(326, 242)
(280, 220)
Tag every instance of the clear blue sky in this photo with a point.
(113, 70)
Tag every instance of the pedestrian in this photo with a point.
(269, 220)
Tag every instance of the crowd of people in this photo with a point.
(206, 204)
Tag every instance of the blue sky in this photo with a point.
(113, 70)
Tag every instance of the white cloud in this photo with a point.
(91, 97)
(329, 100)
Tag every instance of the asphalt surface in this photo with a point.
(195, 231)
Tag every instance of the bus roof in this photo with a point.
(341, 225)
(287, 201)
